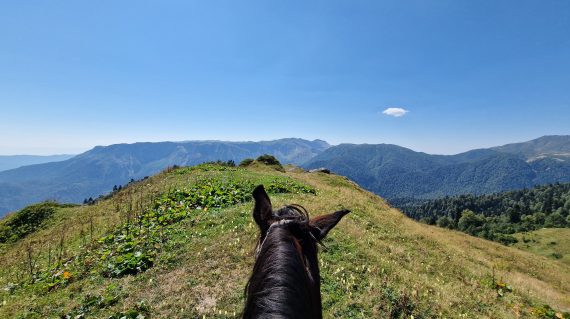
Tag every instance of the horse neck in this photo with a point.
(280, 286)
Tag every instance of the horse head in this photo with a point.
(285, 282)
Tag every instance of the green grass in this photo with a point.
(196, 226)
(18, 225)
(553, 243)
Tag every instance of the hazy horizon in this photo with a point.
(312, 139)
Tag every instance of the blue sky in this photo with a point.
(75, 74)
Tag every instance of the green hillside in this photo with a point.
(180, 245)
(553, 243)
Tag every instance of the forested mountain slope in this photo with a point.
(396, 172)
(96, 171)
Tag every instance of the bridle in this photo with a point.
(304, 258)
(277, 223)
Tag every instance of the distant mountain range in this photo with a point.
(96, 171)
(390, 171)
(15, 161)
(396, 172)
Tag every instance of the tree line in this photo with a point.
(495, 216)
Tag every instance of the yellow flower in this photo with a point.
(66, 274)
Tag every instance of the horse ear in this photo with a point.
(321, 225)
(262, 210)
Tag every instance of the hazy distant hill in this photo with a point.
(395, 172)
(14, 161)
(96, 171)
(554, 146)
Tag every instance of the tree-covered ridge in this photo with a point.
(496, 216)
(395, 172)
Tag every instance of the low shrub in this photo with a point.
(545, 311)
(268, 160)
(246, 162)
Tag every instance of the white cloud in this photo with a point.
(395, 111)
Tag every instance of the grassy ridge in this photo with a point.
(378, 262)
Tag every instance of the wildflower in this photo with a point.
(66, 274)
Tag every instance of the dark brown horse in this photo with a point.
(285, 282)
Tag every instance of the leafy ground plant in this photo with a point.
(134, 247)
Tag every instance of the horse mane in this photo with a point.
(285, 281)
